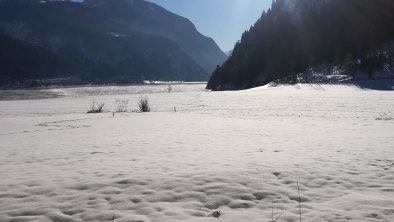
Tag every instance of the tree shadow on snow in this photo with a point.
(379, 84)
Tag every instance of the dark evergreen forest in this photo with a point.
(294, 36)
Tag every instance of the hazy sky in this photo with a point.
(222, 20)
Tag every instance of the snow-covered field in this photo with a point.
(234, 152)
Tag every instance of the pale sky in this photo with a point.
(222, 20)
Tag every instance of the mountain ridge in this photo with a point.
(95, 34)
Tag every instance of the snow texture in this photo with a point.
(222, 156)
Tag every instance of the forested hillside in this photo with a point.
(20, 60)
(103, 41)
(294, 36)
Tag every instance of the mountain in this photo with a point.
(21, 60)
(109, 40)
(296, 36)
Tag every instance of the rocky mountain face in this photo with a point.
(118, 41)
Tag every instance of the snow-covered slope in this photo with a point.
(235, 152)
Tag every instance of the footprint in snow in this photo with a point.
(215, 214)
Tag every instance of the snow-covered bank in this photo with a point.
(229, 151)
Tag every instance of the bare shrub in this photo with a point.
(96, 107)
(169, 88)
(275, 219)
(121, 105)
(143, 104)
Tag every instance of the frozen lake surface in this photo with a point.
(81, 91)
(233, 152)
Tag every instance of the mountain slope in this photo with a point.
(294, 36)
(149, 18)
(20, 60)
(113, 40)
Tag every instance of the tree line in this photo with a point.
(293, 36)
